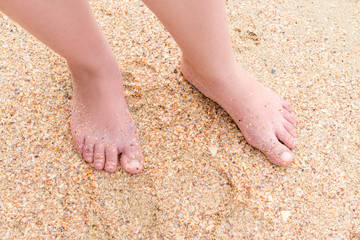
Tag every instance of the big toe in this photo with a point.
(278, 153)
(132, 159)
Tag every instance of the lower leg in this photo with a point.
(201, 30)
(68, 27)
(101, 124)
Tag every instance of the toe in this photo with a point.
(88, 150)
(99, 156)
(278, 153)
(79, 144)
(290, 128)
(132, 159)
(111, 159)
(285, 137)
(287, 106)
(289, 117)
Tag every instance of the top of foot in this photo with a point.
(101, 124)
(265, 119)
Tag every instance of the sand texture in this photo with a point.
(201, 179)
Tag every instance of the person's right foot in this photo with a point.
(101, 124)
(265, 120)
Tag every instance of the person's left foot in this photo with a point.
(265, 119)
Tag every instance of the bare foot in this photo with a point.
(101, 124)
(264, 119)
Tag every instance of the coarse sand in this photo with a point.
(201, 179)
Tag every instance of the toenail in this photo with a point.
(286, 157)
(98, 164)
(110, 168)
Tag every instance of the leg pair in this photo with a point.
(101, 123)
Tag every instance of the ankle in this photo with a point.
(92, 72)
(214, 74)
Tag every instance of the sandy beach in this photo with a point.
(201, 179)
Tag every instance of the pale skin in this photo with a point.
(101, 123)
